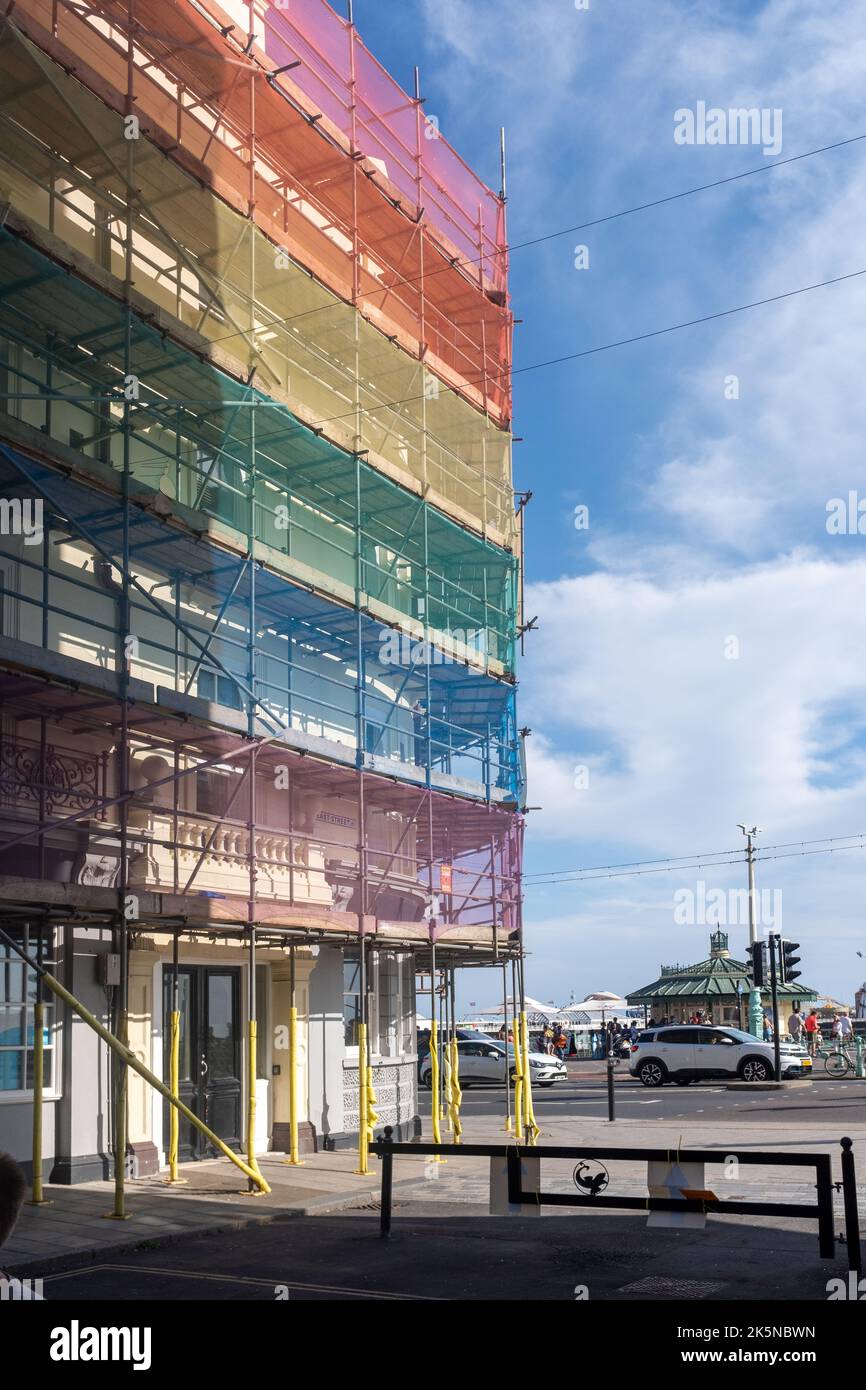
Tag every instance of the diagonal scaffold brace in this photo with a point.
(131, 1060)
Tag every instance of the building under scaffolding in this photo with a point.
(260, 572)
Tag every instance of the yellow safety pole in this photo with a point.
(371, 1116)
(456, 1094)
(293, 1088)
(122, 1051)
(363, 1145)
(531, 1128)
(36, 1197)
(518, 1082)
(174, 1080)
(293, 1158)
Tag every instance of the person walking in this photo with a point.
(795, 1023)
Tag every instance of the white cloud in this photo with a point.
(714, 522)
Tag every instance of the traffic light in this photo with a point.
(756, 958)
(787, 960)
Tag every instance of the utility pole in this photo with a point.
(756, 1012)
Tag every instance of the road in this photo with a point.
(824, 1101)
(454, 1251)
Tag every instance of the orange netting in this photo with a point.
(381, 229)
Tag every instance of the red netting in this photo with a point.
(352, 222)
(384, 126)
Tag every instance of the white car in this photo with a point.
(485, 1062)
(697, 1052)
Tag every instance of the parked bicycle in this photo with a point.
(838, 1059)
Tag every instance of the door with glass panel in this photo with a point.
(210, 1055)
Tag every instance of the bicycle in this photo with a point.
(838, 1060)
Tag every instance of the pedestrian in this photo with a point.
(813, 1032)
(795, 1023)
(846, 1027)
(560, 1045)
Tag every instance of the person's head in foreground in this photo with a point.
(13, 1188)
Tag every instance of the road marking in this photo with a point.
(232, 1279)
(649, 1102)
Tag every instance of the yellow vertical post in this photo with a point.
(456, 1094)
(363, 1143)
(518, 1082)
(531, 1128)
(36, 1197)
(174, 1084)
(293, 1088)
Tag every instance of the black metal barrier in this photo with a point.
(821, 1210)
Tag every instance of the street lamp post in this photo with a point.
(756, 1012)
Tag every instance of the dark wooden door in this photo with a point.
(210, 1055)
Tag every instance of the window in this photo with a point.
(393, 1020)
(391, 992)
(352, 1016)
(678, 1035)
(220, 690)
(217, 793)
(17, 998)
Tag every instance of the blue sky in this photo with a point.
(702, 645)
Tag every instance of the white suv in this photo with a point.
(696, 1052)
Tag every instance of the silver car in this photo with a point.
(485, 1062)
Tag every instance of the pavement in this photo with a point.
(213, 1198)
(749, 1256)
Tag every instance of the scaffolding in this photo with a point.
(259, 562)
(212, 829)
(208, 444)
(238, 271)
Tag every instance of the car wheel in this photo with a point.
(427, 1080)
(652, 1073)
(756, 1069)
(684, 1080)
(512, 1075)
